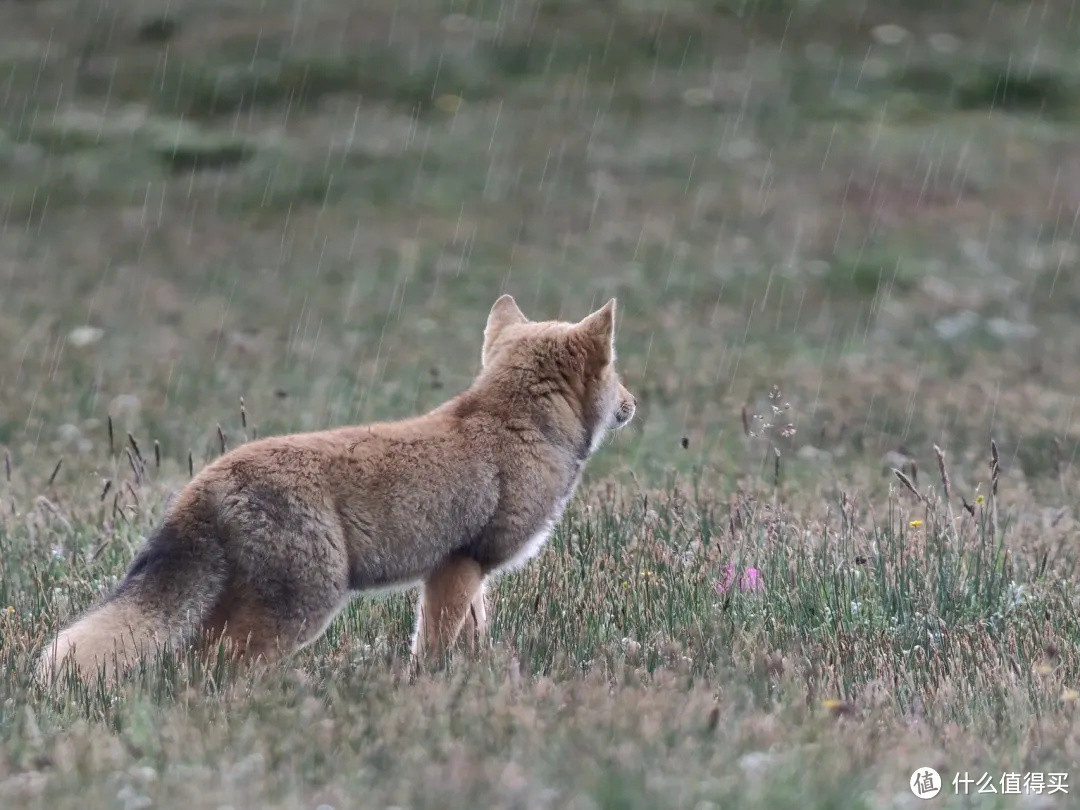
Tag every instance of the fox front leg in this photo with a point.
(475, 628)
(452, 600)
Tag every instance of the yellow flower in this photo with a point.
(979, 499)
(837, 707)
(1043, 668)
(1070, 695)
(915, 524)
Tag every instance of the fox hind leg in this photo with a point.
(452, 599)
(252, 628)
(273, 611)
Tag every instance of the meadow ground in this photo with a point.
(870, 206)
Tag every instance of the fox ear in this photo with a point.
(503, 313)
(600, 325)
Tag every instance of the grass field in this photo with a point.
(856, 219)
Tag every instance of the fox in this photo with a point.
(266, 545)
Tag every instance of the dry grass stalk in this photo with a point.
(907, 483)
(7, 465)
(190, 465)
(104, 544)
(105, 489)
(55, 472)
(134, 466)
(995, 467)
(995, 473)
(135, 446)
(943, 472)
(157, 455)
(53, 509)
(112, 440)
(221, 438)
(946, 483)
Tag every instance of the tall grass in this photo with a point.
(896, 620)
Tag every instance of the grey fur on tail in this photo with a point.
(167, 594)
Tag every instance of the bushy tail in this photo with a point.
(170, 588)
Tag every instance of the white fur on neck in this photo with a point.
(536, 542)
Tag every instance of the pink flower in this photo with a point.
(751, 579)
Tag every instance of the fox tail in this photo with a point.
(170, 589)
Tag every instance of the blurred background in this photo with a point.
(871, 205)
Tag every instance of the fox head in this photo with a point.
(563, 373)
